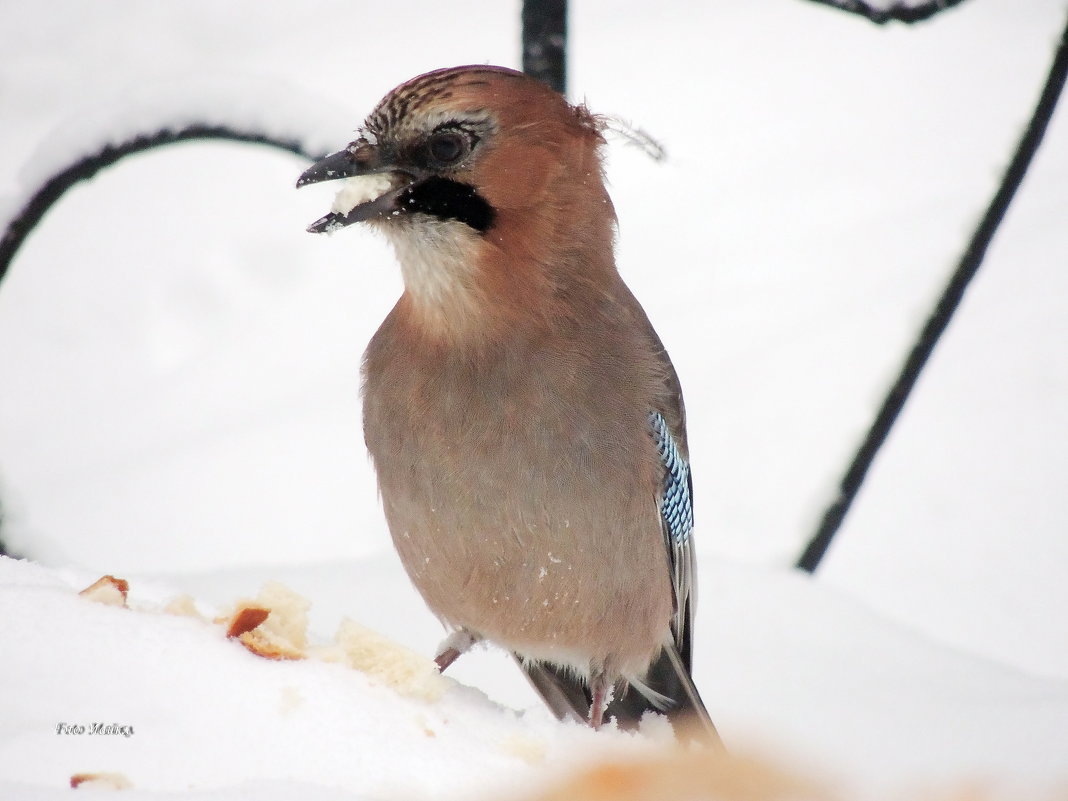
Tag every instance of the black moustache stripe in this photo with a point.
(448, 200)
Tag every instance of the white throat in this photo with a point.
(438, 264)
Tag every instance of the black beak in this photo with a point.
(359, 158)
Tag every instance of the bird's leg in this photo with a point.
(599, 692)
(458, 642)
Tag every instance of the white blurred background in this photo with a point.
(179, 391)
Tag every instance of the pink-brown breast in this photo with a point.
(520, 486)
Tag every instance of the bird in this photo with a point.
(524, 420)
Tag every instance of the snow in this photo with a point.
(205, 713)
(261, 105)
(180, 396)
(806, 666)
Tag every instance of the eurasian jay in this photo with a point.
(525, 422)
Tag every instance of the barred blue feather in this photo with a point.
(676, 503)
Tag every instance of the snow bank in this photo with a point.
(785, 665)
(245, 103)
(183, 708)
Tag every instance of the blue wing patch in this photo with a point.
(676, 504)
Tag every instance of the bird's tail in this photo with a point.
(667, 680)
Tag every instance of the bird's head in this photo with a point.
(489, 185)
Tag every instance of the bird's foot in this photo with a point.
(459, 642)
(600, 698)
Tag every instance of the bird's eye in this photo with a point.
(447, 147)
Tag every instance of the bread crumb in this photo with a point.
(329, 652)
(258, 643)
(183, 606)
(290, 700)
(107, 590)
(100, 781)
(288, 622)
(360, 189)
(245, 619)
(526, 748)
(274, 625)
(407, 672)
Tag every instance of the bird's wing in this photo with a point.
(667, 425)
(669, 675)
(675, 501)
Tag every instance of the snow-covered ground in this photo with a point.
(179, 394)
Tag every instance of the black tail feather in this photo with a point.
(569, 698)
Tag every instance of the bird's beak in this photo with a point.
(360, 160)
